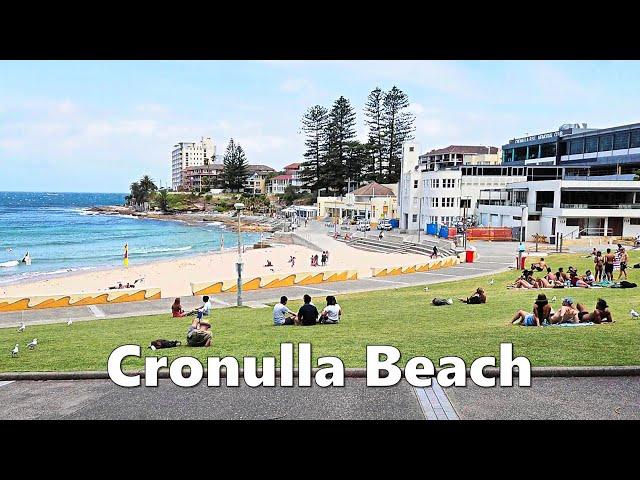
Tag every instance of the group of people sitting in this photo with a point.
(308, 313)
(543, 314)
(199, 332)
(324, 258)
(559, 279)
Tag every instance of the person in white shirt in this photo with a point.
(204, 310)
(282, 315)
(332, 312)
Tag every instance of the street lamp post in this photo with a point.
(522, 207)
(239, 207)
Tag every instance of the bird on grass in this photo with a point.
(491, 282)
(634, 314)
(32, 344)
(426, 289)
(22, 327)
(69, 322)
(554, 298)
(14, 352)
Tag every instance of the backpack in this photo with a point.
(156, 344)
(438, 302)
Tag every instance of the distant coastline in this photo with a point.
(249, 224)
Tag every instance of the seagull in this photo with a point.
(14, 352)
(491, 281)
(554, 298)
(426, 289)
(69, 322)
(449, 301)
(32, 344)
(634, 314)
(22, 327)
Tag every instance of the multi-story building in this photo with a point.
(572, 206)
(190, 154)
(443, 186)
(608, 151)
(256, 182)
(192, 177)
(291, 176)
(457, 155)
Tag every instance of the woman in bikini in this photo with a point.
(600, 315)
(599, 265)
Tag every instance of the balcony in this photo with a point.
(606, 207)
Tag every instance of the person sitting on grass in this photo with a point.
(566, 314)
(540, 266)
(203, 310)
(308, 313)
(561, 275)
(542, 311)
(332, 312)
(282, 315)
(588, 278)
(199, 334)
(176, 309)
(600, 315)
(526, 280)
(576, 281)
(552, 280)
(477, 298)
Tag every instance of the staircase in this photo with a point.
(397, 245)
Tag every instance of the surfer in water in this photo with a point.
(125, 259)
(26, 259)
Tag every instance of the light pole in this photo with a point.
(239, 207)
(520, 247)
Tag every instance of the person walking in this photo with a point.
(125, 258)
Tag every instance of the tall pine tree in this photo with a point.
(341, 130)
(374, 119)
(235, 167)
(398, 128)
(359, 157)
(314, 126)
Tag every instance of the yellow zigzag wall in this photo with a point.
(422, 267)
(274, 281)
(56, 301)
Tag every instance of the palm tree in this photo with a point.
(163, 200)
(147, 186)
(136, 192)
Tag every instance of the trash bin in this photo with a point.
(470, 253)
(523, 261)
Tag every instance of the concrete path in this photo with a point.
(610, 398)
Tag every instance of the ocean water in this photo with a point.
(62, 236)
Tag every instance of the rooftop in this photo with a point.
(292, 166)
(373, 189)
(282, 177)
(465, 149)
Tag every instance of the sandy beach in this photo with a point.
(174, 276)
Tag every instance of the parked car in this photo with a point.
(385, 224)
(363, 226)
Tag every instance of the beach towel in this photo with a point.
(586, 324)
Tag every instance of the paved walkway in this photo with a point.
(601, 398)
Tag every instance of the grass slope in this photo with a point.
(401, 317)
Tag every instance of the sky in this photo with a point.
(96, 126)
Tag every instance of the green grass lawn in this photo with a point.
(403, 318)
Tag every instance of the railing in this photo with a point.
(589, 232)
(589, 206)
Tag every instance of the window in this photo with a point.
(634, 221)
(533, 151)
(576, 147)
(411, 149)
(414, 217)
(435, 183)
(434, 201)
(621, 141)
(534, 218)
(465, 203)
(635, 139)
(415, 184)
(520, 154)
(548, 150)
(606, 143)
(507, 155)
(590, 144)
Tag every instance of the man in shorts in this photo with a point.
(624, 258)
(609, 258)
(566, 314)
(199, 334)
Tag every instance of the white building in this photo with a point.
(190, 154)
(591, 206)
(445, 190)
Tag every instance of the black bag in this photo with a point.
(625, 284)
(438, 302)
(156, 344)
(475, 300)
